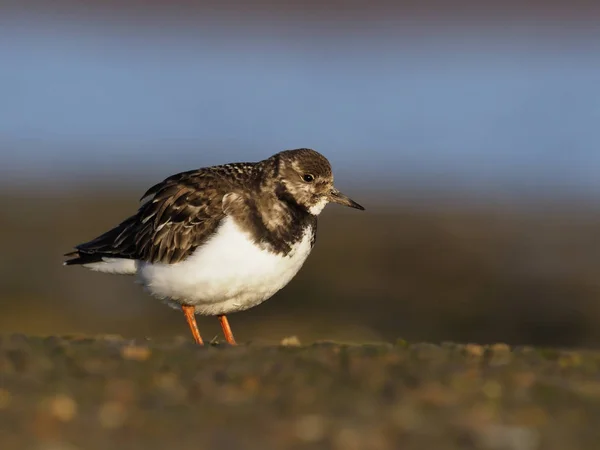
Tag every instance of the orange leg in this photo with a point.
(190, 316)
(227, 330)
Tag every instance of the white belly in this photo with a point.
(227, 274)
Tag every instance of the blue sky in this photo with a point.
(482, 107)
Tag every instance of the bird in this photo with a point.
(217, 240)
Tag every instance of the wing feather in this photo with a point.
(174, 218)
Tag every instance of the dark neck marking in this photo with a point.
(284, 195)
(277, 227)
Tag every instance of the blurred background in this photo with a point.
(469, 130)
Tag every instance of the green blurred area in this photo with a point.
(430, 270)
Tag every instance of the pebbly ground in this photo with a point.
(110, 393)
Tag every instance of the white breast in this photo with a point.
(228, 273)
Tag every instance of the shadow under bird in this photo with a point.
(222, 239)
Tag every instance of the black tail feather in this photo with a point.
(78, 257)
(115, 243)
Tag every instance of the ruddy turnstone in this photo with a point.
(220, 239)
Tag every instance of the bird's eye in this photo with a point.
(308, 178)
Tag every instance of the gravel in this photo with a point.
(69, 393)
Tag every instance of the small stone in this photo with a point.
(401, 343)
(492, 389)
(570, 360)
(250, 384)
(497, 436)
(112, 415)
(434, 393)
(500, 347)
(347, 439)
(524, 379)
(290, 341)
(310, 428)
(120, 390)
(587, 388)
(474, 350)
(63, 407)
(530, 417)
(115, 338)
(170, 386)
(5, 398)
(136, 352)
(60, 445)
(500, 354)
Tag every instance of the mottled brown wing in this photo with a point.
(176, 220)
(176, 217)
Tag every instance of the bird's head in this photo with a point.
(305, 175)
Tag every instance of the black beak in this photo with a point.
(336, 196)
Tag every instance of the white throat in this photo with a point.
(318, 207)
